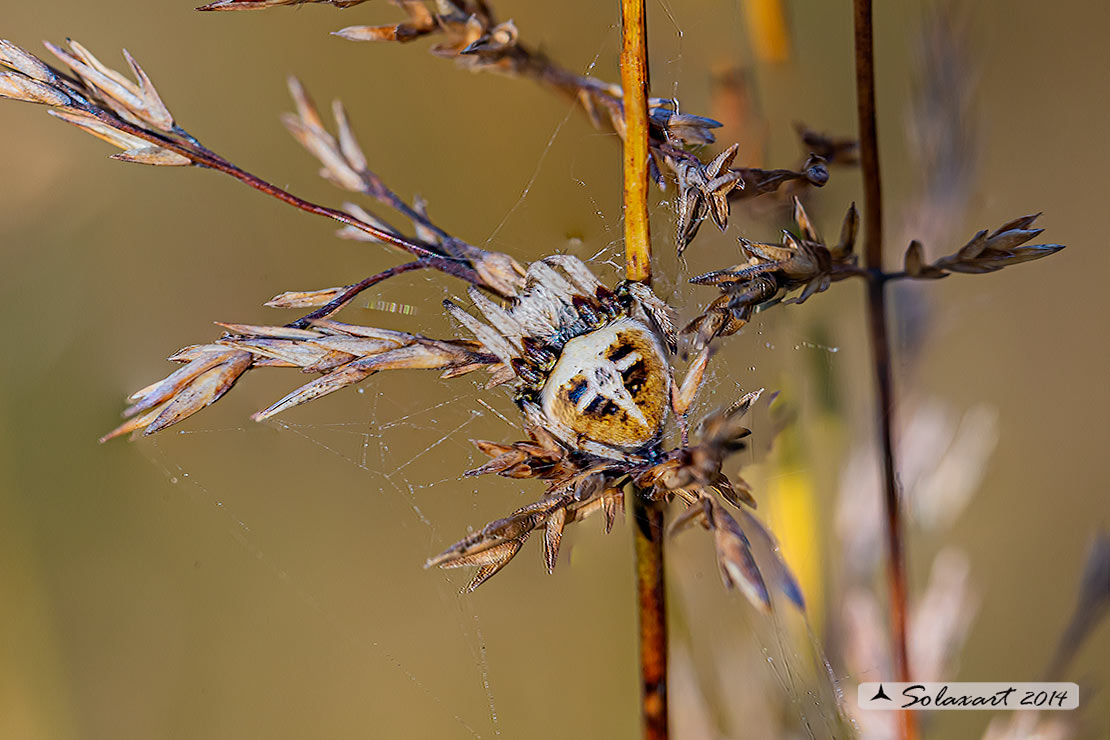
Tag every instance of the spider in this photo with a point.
(591, 364)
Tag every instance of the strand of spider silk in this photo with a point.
(880, 339)
(648, 530)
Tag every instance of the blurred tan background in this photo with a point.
(241, 580)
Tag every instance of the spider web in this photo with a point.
(387, 459)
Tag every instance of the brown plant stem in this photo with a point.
(651, 597)
(880, 340)
(647, 515)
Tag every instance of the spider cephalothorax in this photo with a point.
(591, 365)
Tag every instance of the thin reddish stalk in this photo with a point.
(341, 300)
(868, 137)
(880, 342)
(205, 158)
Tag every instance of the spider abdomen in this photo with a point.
(610, 387)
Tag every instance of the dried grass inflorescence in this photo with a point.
(581, 484)
(591, 367)
(805, 263)
(96, 99)
(770, 271)
(470, 33)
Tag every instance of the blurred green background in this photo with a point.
(228, 579)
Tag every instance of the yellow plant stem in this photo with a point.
(634, 81)
(646, 515)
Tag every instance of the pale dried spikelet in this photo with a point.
(28, 78)
(345, 164)
(914, 264)
(705, 190)
(344, 353)
(499, 271)
(348, 144)
(491, 548)
(31, 80)
(495, 40)
(16, 86)
(683, 394)
(26, 63)
(685, 127)
(200, 383)
(734, 551)
(422, 224)
(470, 35)
(734, 555)
(393, 351)
(138, 103)
(304, 298)
(307, 128)
(135, 149)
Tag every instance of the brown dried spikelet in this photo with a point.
(703, 189)
(770, 271)
(914, 263)
(263, 4)
(491, 548)
(421, 22)
(1002, 248)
